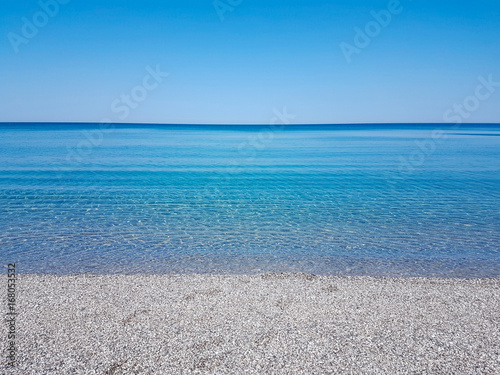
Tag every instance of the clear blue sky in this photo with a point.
(263, 55)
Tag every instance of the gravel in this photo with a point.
(253, 324)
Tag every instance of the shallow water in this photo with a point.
(368, 200)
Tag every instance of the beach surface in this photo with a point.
(253, 324)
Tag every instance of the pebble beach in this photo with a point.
(275, 323)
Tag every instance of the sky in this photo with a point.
(243, 61)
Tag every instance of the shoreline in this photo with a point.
(264, 323)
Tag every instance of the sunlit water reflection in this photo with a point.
(371, 201)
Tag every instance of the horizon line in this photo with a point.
(250, 124)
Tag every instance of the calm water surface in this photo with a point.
(372, 200)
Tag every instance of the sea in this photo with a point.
(393, 200)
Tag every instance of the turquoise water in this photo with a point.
(366, 200)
